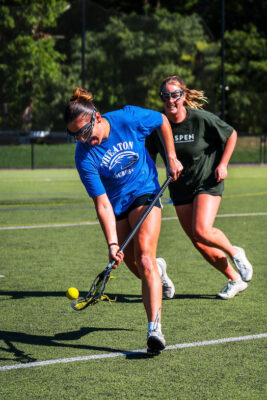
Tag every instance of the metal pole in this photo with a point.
(264, 149)
(223, 72)
(83, 43)
(261, 148)
(32, 155)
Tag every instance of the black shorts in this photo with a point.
(182, 194)
(143, 200)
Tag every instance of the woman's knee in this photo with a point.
(145, 264)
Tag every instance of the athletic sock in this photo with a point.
(151, 326)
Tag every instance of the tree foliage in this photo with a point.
(237, 13)
(246, 71)
(129, 48)
(29, 63)
(126, 62)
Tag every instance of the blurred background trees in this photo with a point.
(30, 65)
(129, 48)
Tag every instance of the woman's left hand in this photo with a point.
(221, 172)
(175, 168)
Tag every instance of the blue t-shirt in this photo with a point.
(121, 166)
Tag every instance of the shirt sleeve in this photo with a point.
(223, 130)
(88, 172)
(146, 120)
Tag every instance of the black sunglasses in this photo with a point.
(166, 96)
(87, 129)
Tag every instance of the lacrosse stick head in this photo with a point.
(96, 292)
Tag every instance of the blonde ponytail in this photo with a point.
(194, 98)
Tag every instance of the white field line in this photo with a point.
(4, 228)
(63, 225)
(130, 353)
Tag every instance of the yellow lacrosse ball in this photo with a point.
(72, 293)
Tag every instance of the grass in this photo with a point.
(38, 323)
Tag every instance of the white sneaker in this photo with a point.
(168, 289)
(243, 265)
(232, 289)
(155, 342)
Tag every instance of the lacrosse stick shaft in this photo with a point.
(139, 223)
(106, 273)
(151, 205)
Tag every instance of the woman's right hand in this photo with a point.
(115, 254)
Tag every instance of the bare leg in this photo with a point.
(197, 220)
(123, 230)
(140, 256)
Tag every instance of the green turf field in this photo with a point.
(46, 247)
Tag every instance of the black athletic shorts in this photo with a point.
(182, 194)
(143, 200)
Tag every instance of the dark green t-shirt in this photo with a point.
(199, 143)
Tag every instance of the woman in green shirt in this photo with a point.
(204, 144)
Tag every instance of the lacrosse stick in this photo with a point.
(96, 292)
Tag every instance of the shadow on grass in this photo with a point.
(16, 295)
(139, 355)
(195, 296)
(121, 298)
(10, 338)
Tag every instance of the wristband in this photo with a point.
(113, 244)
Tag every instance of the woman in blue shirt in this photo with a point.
(121, 178)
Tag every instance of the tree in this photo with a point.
(30, 67)
(246, 70)
(126, 62)
(238, 13)
(127, 55)
(127, 58)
